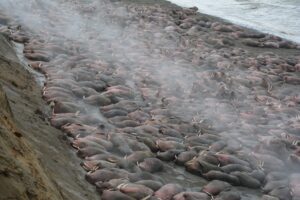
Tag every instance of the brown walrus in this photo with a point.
(38, 57)
(185, 156)
(135, 190)
(105, 175)
(67, 107)
(154, 185)
(97, 100)
(168, 191)
(152, 165)
(115, 195)
(191, 196)
(215, 187)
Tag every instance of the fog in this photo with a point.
(142, 52)
(198, 84)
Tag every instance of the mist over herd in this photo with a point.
(163, 102)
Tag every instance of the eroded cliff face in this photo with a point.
(35, 161)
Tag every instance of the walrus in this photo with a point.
(226, 159)
(229, 195)
(191, 196)
(53, 74)
(98, 85)
(251, 35)
(152, 165)
(164, 145)
(97, 100)
(139, 115)
(270, 44)
(246, 180)
(91, 165)
(275, 175)
(185, 156)
(217, 175)
(38, 57)
(235, 167)
(281, 192)
(76, 130)
(58, 122)
(294, 184)
(114, 113)
(198, 141)
(55, 89)
(222, 28)
(168, 191)
(168, 155)
(166, 131)
(19, 38)
(200, 167)
(64, 83)
(148, 129)
(110, 185)
(258, 174)
(83, 91)
(89, 151)
(218, 146)
(291, 80)
(268, 197)
(136, 145)
(135, 190)
(104, 156)
(91, 120)
(198, 149)
(60, 98)
(149, 142)
(92, 140)
(128, 105)
(215, 187)
(38, 66)
(82, 74)
(139, 156)
(54, 95)
(105, 175)
(120, 143)
(127, 123)
(143, 175)
(115, 195)
(80, 143)
(152, 184)
(209, 157)
(118, 92)
(270, 162)
(128, 165)
(269, 186)
(67, 107)
(287, 45)
(252, 43)
(118, 119)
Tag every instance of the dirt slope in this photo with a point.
(35, 160)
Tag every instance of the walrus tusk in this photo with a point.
(146, 197)
(121, 185)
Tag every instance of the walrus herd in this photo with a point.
(171, 104)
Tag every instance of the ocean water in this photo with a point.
(278, 17)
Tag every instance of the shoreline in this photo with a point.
(253, 25)
(169, 4)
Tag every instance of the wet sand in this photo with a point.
(197, 106)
